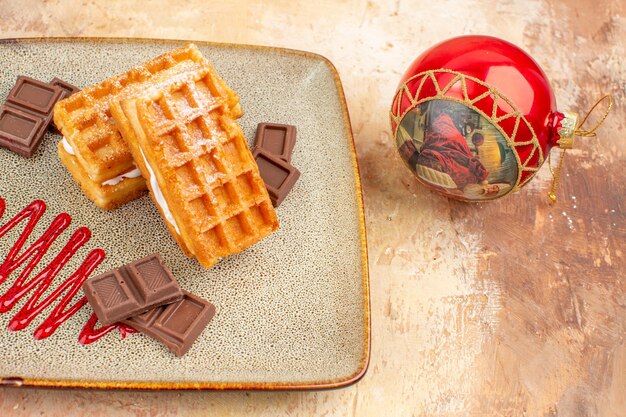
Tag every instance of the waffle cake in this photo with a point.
(198, 166)
(108, 195)
(92, 148)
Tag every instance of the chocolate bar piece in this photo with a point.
(132, 289)
(19, 130)
(279, 176)
(33, 95)
(176, 325)
(67, 88)
(277, 139)
(36, 99)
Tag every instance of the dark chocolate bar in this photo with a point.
(32, 97)
(277, 139)
(176, 325)
(279, 176)
(132, 289)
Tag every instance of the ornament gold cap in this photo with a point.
(568, 129)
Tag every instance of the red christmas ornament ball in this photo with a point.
(474, 117)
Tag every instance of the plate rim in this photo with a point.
(265, 386)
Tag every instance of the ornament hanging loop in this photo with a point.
(592, 133)
(566, 141)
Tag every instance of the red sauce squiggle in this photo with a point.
(40, 283)
(90, 334)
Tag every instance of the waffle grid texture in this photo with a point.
(202, 164)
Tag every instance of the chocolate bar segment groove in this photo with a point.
(277, 139)
(176, 325)
(131, 289)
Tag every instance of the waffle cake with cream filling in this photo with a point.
(198, 166)
(92, 148)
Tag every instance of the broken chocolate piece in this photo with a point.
(19, 130)
(36, 99)
(279, 176)
(131, 289)
(277, 139)
(34, 95)
(176, 325)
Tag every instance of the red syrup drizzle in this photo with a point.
(90, 334)
(42, 281)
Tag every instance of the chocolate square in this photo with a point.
(176, 325)
(110, 296)
(34, 95)
(154, 281)
(20, 131)
(277, 139)
(279, 176)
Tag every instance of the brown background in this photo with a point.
(515, 308)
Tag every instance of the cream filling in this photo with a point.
(134, 173)
(68, 148)
(158, 194)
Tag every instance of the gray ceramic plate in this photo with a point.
(293, 310)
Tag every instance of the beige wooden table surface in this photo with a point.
(514, 308)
